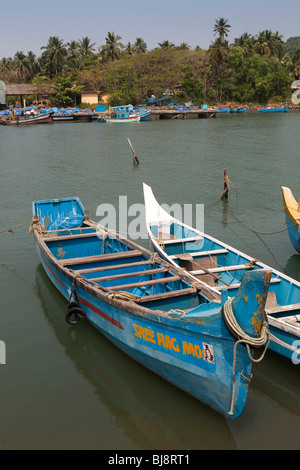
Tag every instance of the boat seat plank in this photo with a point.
(203, 253)
(133, 285)
(129, 274)
(72, 236)
(104, 257)
(236, 267)
(283, 308)
(167, 241)
(167, 295)
(112, 267)
(237, 285)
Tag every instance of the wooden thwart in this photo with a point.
(147, 272)
(72, 236)
(104, 257)
(283, 308)
(201, 253)
(168, 241)
(162, 280)
(115, 266)
(167, 295)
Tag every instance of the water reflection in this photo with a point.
(292, 267)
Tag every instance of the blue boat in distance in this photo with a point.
(224, 110)
(281, 109)
(242, 109)
(126, 113)
(292, 214)
(222, 268)
(152, 310)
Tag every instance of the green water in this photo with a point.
(69, 388)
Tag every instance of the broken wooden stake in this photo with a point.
(135, 158)
(224, 194)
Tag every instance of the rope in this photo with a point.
(264, 338)
(11, 230)
(123, 295)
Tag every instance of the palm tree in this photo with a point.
(221, 28)
(32, 64)
(245, 43)
(72, 48)
(139, 46)
(112, 48)
(85, 47)
(166, 44)
(218, 54)
(56, 53)
(20, 65)
(269, 43)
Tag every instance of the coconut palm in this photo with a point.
(166, 44)
(85, 47)
(20, 64)
(221, 28)
(269, 43)
(55, 53)
(112, 48)
(139, 46)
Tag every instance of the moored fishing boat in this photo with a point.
(150, 309)
(30, 119)
(222, 267)
(270, 109)
(292, 213)
(122, 120)
(122, 114)
(144, 113)
(242, 109)
(224, 110)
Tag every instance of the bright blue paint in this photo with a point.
(170, 344)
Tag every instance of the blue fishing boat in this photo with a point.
(224, 110)
(144, 113)
(292, 213)
(242, 109)
(270, 109)
(126, 114)
(152, 310)
(222, 268)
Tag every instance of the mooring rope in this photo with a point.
(11, 230)
(123, 295)
(263, 339)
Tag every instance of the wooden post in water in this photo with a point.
(224, 194)
(135, 158)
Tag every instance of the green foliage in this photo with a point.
(192, 87)
(252, 69)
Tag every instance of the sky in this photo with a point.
(26, 25)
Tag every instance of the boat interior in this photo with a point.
(109, 262)
(221, 267)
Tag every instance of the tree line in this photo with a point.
(251, 69)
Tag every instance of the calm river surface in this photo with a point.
(66, 387)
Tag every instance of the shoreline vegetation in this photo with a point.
(257, 70)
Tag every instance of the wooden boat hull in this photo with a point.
(224, 110)
(292, 213)
(143, 113)
(193, 350)
(273, 110)
(223, 270)
(40, 119)
(124, 120)
(242, 110)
